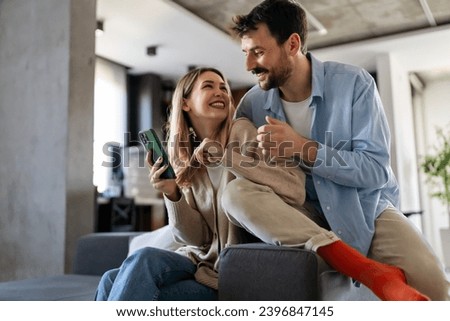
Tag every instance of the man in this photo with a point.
(329, 116)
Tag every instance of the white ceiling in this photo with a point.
(184, 39)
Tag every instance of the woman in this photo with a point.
(207, 149)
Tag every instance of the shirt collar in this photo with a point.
(318, 75)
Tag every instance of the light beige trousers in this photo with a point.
(397, 242)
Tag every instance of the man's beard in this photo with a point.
(277, 77)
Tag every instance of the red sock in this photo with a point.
(386, 281)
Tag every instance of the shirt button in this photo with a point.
(339, 232)
(328, 208)
(318, 182)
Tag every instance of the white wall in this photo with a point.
(395, 93)
(432, 108)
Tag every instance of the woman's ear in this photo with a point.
(185, 107)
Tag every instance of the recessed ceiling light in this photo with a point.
(151, 50)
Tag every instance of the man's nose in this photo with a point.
(250, 62)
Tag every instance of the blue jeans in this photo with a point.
(152, 274)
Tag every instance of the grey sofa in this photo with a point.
(252, 271)
(95, 253)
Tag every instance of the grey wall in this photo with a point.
(46, 113)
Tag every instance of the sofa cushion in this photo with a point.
(99, 252)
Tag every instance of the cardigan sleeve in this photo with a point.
(188, 225)
(244, 158)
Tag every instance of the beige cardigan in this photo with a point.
(198, 220)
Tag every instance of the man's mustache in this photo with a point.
(258, 70)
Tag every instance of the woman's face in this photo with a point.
(209, 101)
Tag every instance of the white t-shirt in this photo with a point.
(299, 116)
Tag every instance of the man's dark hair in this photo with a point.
(282, 17)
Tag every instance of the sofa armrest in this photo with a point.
(265, 272)
(97, 253)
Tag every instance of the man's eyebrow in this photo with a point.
(253, 49)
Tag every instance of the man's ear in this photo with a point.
(294, 43)
(185, 107)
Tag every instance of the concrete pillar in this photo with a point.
(47, 55)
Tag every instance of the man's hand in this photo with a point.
(278, 139)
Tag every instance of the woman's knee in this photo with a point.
(145, 254)
(155, 260)
(105, 285)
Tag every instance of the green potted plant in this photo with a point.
(436, 167)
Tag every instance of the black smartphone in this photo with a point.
(152, 144)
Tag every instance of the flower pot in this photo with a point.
(445, 239)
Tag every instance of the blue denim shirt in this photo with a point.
(351, 178)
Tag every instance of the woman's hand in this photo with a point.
(167, 186)
(209, 152)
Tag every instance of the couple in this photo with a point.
(345, 208)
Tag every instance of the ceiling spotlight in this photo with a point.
(99, 30)
(151, 51)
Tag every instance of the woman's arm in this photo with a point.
(188, 225)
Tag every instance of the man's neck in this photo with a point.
(299, 85)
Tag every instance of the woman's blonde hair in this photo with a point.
(181, 137)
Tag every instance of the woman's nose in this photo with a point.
(218, 92)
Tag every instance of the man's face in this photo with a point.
(265, 58)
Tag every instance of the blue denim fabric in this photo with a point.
(152, 274)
